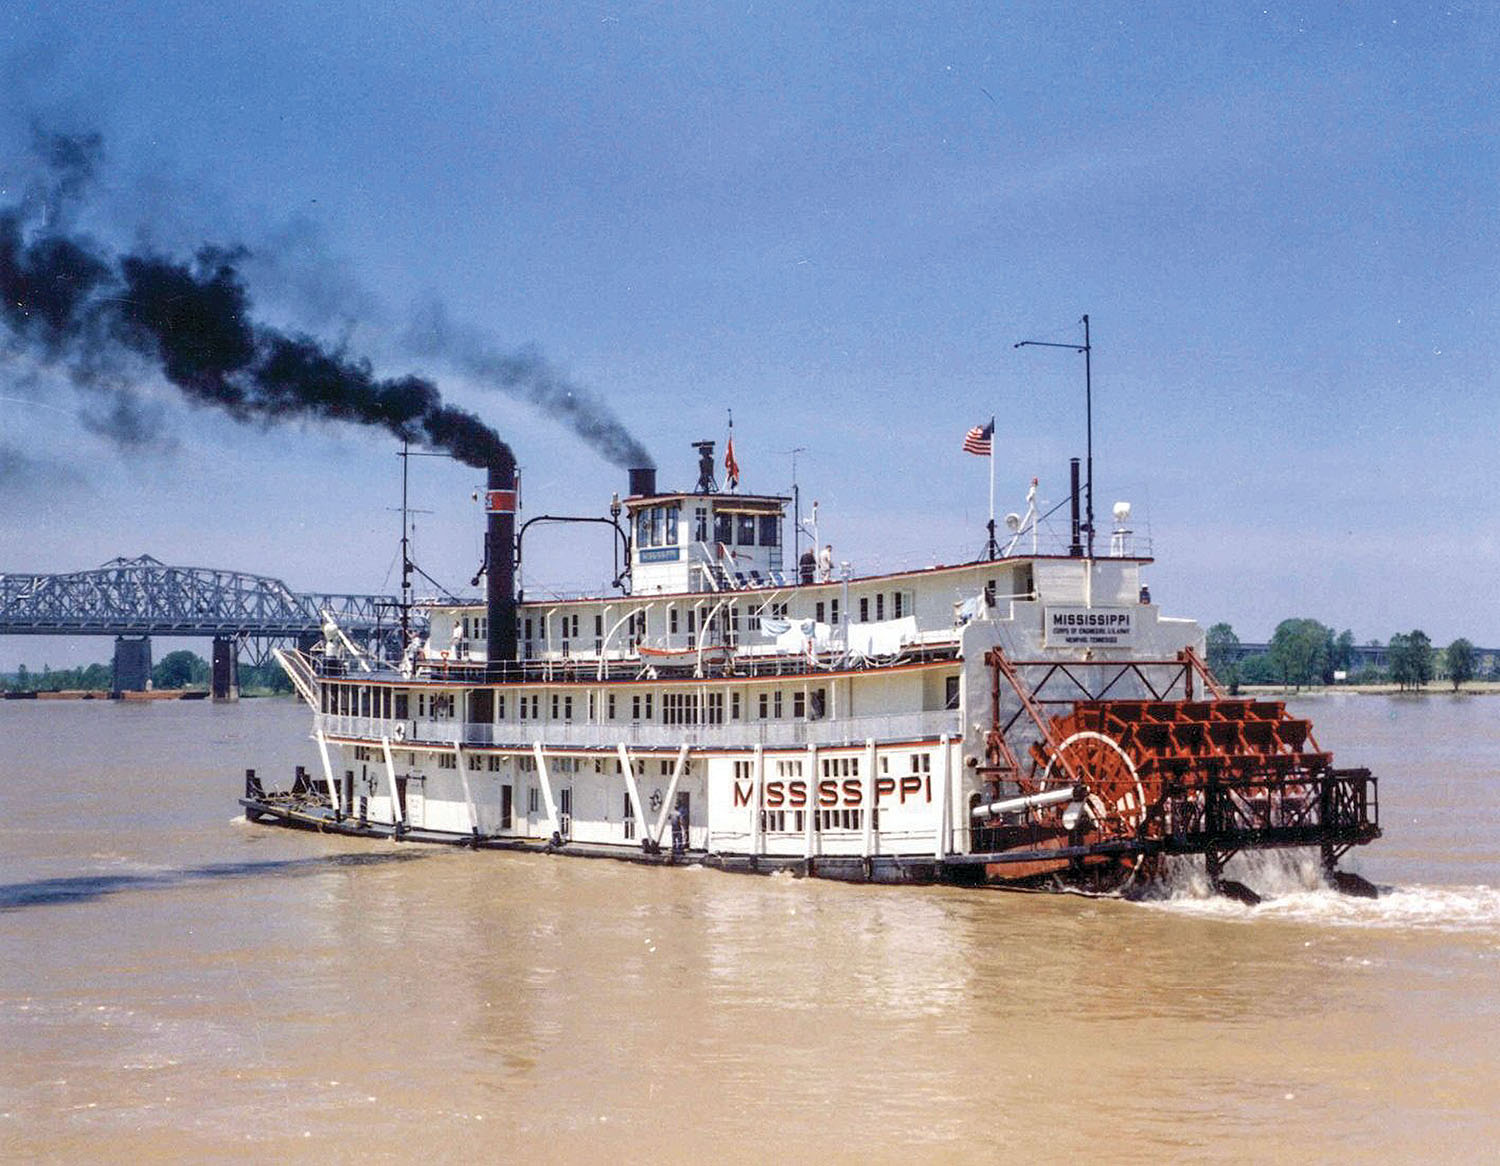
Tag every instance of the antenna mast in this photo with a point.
(1088, 413)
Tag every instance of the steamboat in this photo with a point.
(1028, 719)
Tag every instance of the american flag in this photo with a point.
(980, 439)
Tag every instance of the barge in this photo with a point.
(1028, 719)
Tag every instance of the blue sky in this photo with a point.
(835, 220)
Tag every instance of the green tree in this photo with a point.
(1343, 652)
(179, 669)
(1301, 651)
(1223, 650)
(1410, 655)
(23, 679)
(1459, 659)
(1257, 669)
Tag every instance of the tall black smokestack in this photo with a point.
(500, 573)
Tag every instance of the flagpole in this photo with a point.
(994, 547)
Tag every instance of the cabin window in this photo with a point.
(609, 706)
(567, 708)
(521, 706)
(799, 704)
(492, 763)
(950, 692)
(481, 627)
(714, 712)
(734, 706)
(819, 611)
(598, 633)
(833, 615)
(671, 621)
(921, 762)
(776, 704)
(531, 800)
(700, 524)
(723, 528)
(628, 816)
(672, 516)
(903, 603)
(403, 704)
(556, 699)
(770, 530)
(880, 605)
(817, 701)
(765, 705)
(864, 609)
(499, 706)
(447, 761)
(745, 534)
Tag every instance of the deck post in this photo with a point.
(547, 799)
(666, 806)
(627, 767)
(810, 838)
(869, 798)
(945, 779)
(463, 776)
(333, 796)
(757, 836)
(390, 772)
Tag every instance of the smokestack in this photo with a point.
(1076, 550)
(500, 559)
(642, 482)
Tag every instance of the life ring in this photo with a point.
(400, 733)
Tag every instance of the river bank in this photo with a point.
(1470, 688)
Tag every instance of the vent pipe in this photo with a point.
(642, 482)
(1076, 550)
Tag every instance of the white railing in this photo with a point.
(607, 734)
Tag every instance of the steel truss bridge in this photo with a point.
(144, 597)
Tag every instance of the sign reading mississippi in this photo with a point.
(1090, 627)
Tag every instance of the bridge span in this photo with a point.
(136, 599)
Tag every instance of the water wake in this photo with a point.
(1293, 887)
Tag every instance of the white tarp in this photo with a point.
(883, 637)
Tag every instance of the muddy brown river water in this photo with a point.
(177, 983)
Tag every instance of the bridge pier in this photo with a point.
(225, 679)
(132, 664)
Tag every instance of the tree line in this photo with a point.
(175, 670)
(1304, 651)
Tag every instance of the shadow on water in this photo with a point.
(86, 888)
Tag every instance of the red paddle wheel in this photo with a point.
(1170, 774)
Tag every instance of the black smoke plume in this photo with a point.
(528, 376)
(79, 305)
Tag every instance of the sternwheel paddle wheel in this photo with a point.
(1094, 790)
